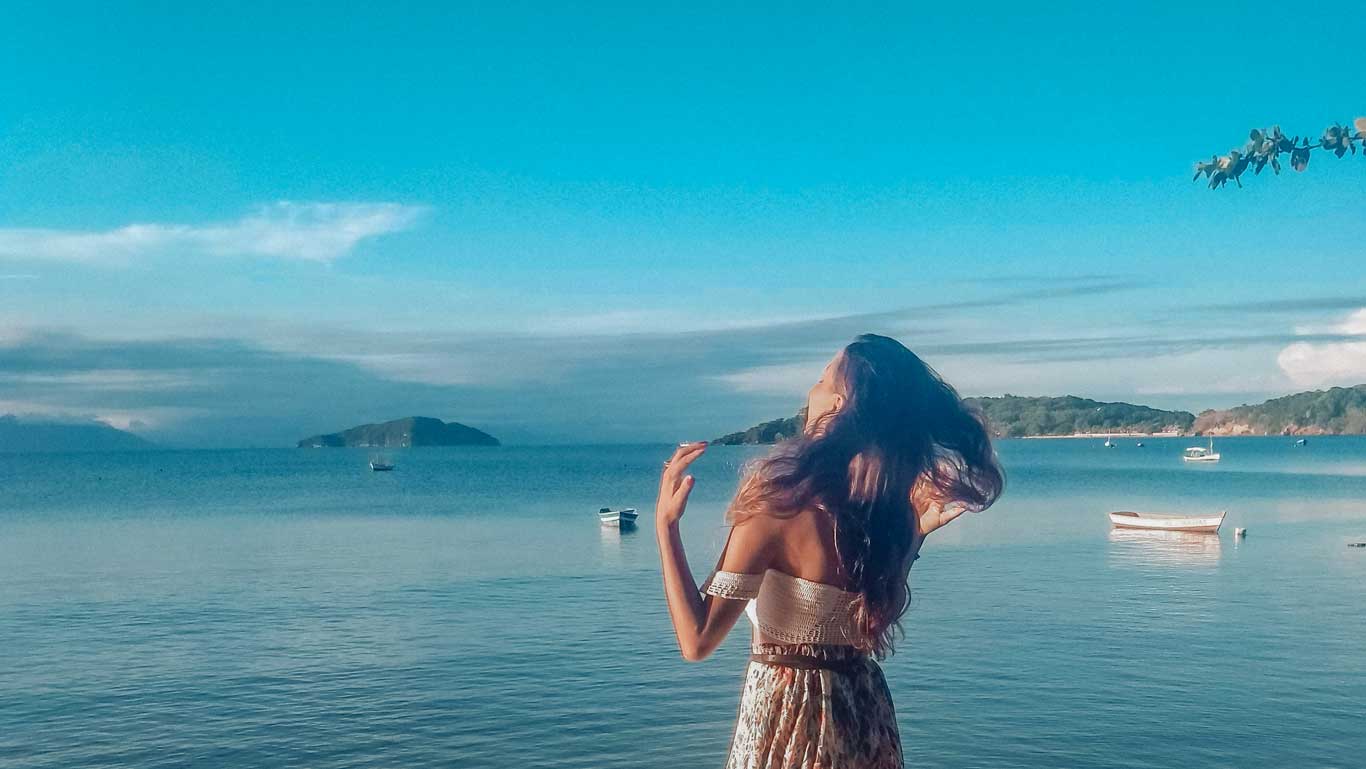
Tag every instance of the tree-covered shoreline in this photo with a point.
(1336, 411)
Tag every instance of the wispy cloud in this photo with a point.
(789, 379)
(101, 380)
(319, 232)
(1053, 281)
(291, 380)
(1298, 305)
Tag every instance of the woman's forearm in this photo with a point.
(686, 608)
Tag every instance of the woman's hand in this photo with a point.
(674, 485)
(940, 515)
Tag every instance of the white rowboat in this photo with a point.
(619, 518)
(1160, 522)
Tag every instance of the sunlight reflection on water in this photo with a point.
(1134, 547)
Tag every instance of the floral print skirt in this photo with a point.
(835, 716)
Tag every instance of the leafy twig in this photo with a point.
(1264, 148)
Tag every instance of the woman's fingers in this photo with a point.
(678, 467)
(687, 449)
(684, 489)
(674, 484)
(685, 455)
(682, 457)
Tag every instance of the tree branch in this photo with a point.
(1265, 148)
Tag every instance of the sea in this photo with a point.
(291, 608)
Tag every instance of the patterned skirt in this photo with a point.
(833, 713)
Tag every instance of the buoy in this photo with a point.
(1240, 532)
(1356, 544)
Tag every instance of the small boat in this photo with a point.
(1201, 454)
(620, 518)
(1109, 444)
(1302, 442)
(381, 465)
(1139, 444)
(1167, 522)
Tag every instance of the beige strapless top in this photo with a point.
(789, 609)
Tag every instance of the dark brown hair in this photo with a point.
(903, 440)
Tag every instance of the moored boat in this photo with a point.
(1168, 522)
(620, 518)
(381, 464)
(1201, 454)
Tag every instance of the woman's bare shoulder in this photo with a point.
(754, 541)
(761, 523)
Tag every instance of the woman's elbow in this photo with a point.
(695, 652)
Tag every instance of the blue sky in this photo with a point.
(653, 222)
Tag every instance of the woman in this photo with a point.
(824, 531)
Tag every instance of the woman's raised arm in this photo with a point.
(701, 623)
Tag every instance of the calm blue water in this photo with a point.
(289, 608)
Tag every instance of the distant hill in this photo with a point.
(1015, 416)
(22, 435)
(409, 431)
(767, 432)
(1337, 411)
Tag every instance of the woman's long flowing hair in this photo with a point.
(902, 441)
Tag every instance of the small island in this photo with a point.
(28, 435)
(771, 431)
(402, 433)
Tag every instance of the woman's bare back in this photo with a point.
(805, 548)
